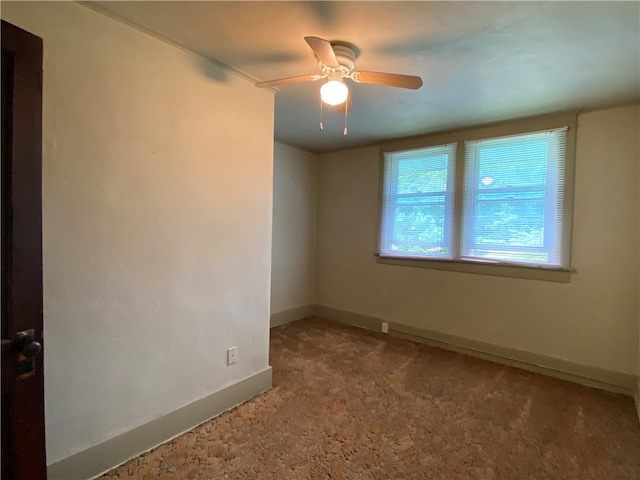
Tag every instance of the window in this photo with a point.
(510, 204)
(417, 205)
(513, 198)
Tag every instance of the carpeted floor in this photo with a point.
(353, 404)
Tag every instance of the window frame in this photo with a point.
(566, 120)
(447, 193)
(552, 224)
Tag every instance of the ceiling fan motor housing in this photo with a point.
(346, 57)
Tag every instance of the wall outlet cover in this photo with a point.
(232, 355)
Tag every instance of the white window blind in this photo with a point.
(513, 199)
(417, 204)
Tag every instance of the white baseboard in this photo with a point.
(101, 458)
(292, 315)
(596, 377)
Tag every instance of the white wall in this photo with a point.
(591, 321)
(294, 205)
(157, 185)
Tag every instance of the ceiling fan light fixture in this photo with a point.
(334, 92)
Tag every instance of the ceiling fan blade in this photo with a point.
(389, 79)
(286, 81)
(323, 50)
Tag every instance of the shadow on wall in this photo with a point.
(219, 72)
(211, 69)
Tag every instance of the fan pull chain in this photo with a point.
(321, 127)
(345, 117)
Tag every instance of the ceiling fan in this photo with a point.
(337, 61)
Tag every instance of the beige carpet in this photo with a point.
(353, 404)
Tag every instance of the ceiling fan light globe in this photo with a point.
(334, 92)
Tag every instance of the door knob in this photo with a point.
(32, 349)
(25, 344)
(27, 349)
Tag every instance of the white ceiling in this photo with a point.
(480, 61)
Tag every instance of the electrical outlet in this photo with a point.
(385, 327)
(232, 355)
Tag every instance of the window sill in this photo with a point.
(560, 275)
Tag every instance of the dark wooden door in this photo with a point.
(23, 434)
